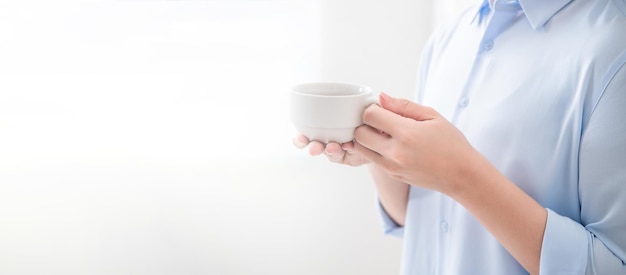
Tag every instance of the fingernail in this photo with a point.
(298, 143)
(384, 96)
(332, 156)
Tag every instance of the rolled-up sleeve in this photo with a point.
(596, 245)
(389, 226)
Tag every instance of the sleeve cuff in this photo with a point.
(389, 226)
(565, 246)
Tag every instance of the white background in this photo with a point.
(151, 137)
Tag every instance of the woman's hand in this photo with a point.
(414, 144)
(339, 153)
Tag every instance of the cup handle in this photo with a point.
(374, 99)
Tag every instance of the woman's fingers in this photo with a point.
(316, 148)
(344, 153)
(334, 152)
(300, 141)
(372, 138)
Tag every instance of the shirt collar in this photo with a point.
(538, 12)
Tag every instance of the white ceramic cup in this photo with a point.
(329, 111)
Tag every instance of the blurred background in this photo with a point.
(151, 137)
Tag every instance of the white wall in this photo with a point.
(150, 137)
(375, 43)
(446, 10)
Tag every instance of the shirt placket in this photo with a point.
(503, 15)
(500, 18)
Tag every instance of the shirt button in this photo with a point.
(444, 227)
(488, 45)
(464, 101)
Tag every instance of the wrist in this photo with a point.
(473, 172)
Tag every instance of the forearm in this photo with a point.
(515, 219)
(393, 194)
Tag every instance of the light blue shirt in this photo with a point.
(539, 88)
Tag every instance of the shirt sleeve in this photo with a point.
(389, 226)
(596, 245)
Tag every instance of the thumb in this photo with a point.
(406, 108)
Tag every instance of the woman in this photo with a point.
(518, 164)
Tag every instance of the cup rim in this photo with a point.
(363, 89)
